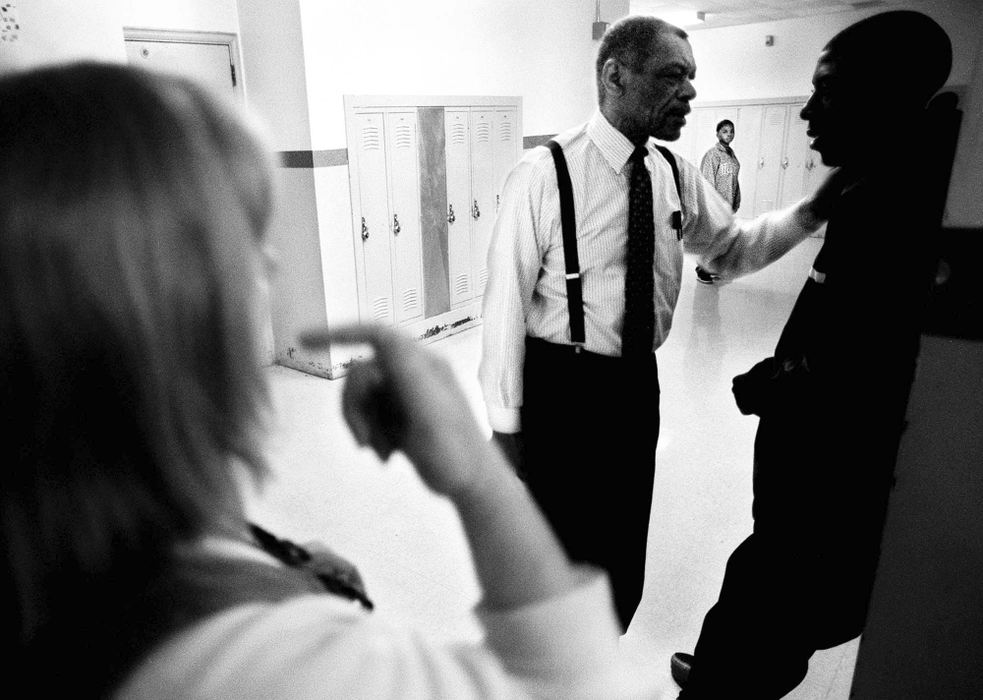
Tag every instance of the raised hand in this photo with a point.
(406, 398)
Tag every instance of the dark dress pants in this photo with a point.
(590, 424)
(802, 580)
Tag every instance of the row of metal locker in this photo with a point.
(426, 184)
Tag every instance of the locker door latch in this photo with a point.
(396, 228)
(450, 214)
(365, 230)
(475, 212)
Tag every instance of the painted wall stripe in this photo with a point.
(533, 141)
(339, 156)
(313, 159)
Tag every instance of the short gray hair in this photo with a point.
(630, 41)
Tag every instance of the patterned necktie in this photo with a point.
(639, 330)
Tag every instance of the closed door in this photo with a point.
(210, 65)
(768, 179)
(507, 141)
(483, 191)
(747, 144)
(404, 224)
(796, 156)
(376, 284)
(457, 149)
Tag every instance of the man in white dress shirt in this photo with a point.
(579, 421)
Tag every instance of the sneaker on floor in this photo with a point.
(704, 276)
(679, 667)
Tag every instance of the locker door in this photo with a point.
(796, 156)
(377, 271)
(747, 143)
(506, 148)
(457, 150)
(482, 192)
(404, 222)
(769, 170)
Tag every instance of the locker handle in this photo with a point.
(498, 201)
(785, 162)
(761, 163)
(365, 230)
(396, 228)
(475, 212)
(450, 214)
(810, 165)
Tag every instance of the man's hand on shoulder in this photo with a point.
(824, 199)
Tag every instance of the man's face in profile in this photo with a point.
(826, 112)
(844, 110)
(656, 98)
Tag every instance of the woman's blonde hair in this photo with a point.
(132, 217)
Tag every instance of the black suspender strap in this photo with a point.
(677, 216)
(568, 221)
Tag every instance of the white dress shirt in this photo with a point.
(324, 646)
(526, 290)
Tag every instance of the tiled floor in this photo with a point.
(408, 543)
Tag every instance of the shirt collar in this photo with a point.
(613, 145)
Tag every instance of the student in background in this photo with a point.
(133, 211)
(721, 167)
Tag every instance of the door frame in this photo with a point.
(169, 36)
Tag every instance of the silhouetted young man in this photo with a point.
(832, 399)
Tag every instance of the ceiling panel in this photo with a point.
(723, 13)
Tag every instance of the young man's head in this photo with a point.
(882, 69)
(644, 71)
(725, 132)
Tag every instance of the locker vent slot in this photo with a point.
(463, 284)
(380, 308)
(459, 133)
(482, 132)
(404, 136)
(411, 299)
(505, 131)
(371, 138)
(482, 278)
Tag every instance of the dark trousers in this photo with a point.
(801, 582)
(590, 424)
(778, 605)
